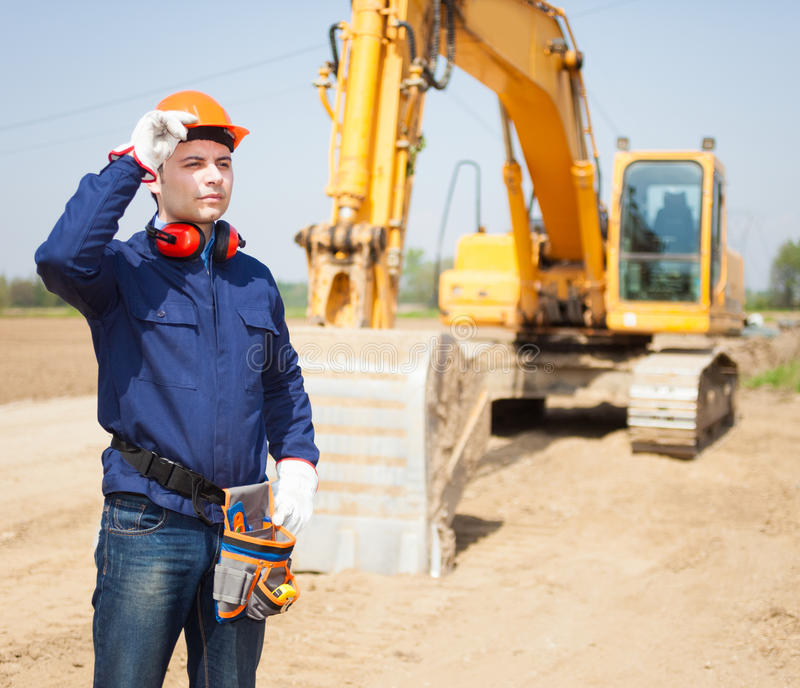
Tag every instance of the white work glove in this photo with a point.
(294, 494)
(154, 139)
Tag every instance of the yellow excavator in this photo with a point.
(567, 304)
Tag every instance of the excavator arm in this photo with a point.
(523, 51)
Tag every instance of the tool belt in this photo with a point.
(171, 475)
(252, 576)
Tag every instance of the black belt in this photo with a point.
(187, 483)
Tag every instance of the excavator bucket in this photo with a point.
(401, 419)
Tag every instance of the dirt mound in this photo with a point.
(754, 355)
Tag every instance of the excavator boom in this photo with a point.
(525, 53)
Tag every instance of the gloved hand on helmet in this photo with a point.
(154, 139)
(294, 494)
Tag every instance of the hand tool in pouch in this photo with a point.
(253, 576)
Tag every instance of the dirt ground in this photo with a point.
(579, 563)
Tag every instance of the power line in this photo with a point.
(604, 114)
(465, 106)
(105, 132)
(600, 8)
(61, 142)
(159, 90)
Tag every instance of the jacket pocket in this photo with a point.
(260, 342)
(168, 342)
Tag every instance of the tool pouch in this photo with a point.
(253, 576)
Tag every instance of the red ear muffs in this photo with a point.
(226, 241)
(186, 241)
(181, 240)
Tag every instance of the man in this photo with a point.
(195, 368)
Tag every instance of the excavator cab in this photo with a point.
(669, 267)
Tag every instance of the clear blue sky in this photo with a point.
(663, 73)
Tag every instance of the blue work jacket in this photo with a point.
(194, 364)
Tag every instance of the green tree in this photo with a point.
(294, 294)
(757, 300)
(416, 283)
(419, 275)
(785, 275)
(27, 292)
(22, 293)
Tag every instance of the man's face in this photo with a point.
(195, 183)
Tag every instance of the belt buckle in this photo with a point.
(160, 469)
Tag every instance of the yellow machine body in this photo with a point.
(402, 418)
(564, 276)
(697, 288)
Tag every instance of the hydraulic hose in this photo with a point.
(412, 41)
(334, 50)
(453, 179)
(430, 78)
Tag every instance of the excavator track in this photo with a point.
(680, 401)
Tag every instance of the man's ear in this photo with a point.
(155, 187)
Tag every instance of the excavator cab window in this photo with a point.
(660, 231)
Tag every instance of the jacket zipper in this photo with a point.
(215, 363)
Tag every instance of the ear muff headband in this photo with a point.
(186, 241)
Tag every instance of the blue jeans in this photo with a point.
(155, 570)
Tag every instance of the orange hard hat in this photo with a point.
(208, 111)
